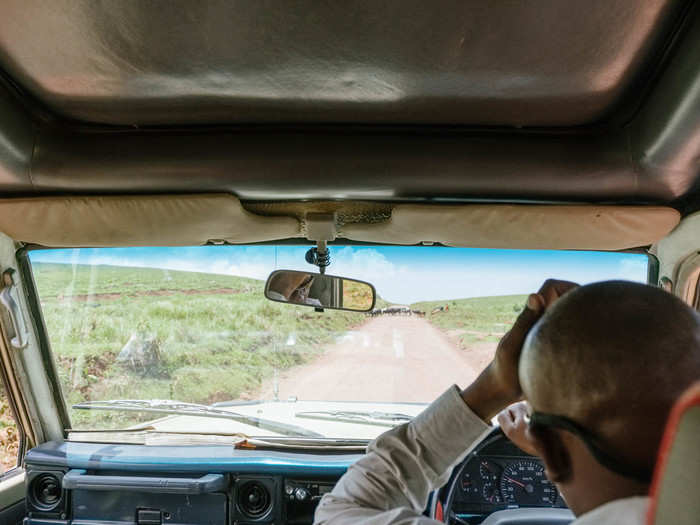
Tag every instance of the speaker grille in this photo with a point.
(254, 500)
(45, 492)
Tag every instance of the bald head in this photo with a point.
(613, 356)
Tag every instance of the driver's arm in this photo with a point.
(392, 482)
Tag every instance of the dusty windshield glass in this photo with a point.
(184, 340)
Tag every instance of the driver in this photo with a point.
(600, 367)
(292, 287)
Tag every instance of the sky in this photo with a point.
(402, 275)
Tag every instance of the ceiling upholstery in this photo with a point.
(179, 62)
(543, 101)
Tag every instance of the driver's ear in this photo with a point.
(555, 455)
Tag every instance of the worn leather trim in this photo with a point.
(521, 226)
(160, 220)
(171, 220)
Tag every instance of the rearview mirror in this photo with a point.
(321, 291)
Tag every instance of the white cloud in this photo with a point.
(633, 269)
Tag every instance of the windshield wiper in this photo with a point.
(386, 419)
(166, 406)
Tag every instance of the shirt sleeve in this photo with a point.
(392, 482)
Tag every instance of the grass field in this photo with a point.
(216, 337)
(468, 321)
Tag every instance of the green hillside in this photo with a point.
(474, 319)
(216, 337)
(55, 279)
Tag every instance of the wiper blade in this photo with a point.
(387, 419)
(166, 406)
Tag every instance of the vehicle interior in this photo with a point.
(173, 172)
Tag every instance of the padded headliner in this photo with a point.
(172, 220)
(543, 63)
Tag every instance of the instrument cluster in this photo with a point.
(495, 481)
(497, 476)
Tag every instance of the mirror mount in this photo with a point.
(320, 256)
(322, 228)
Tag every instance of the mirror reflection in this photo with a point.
(321, 291)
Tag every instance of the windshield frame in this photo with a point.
(32, 299)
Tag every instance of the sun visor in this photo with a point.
(153, 220)
(580, 227)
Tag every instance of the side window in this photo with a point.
(9, 434)
(688, 280)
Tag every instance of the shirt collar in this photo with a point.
(625, 511)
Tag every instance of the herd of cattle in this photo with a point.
(405, 310)
(395, 310)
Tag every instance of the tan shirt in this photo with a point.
(392, 482)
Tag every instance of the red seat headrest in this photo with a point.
(675, 490)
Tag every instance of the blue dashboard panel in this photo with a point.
(183, 459)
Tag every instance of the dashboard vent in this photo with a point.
(254, 499)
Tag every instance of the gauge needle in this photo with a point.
(514, 481)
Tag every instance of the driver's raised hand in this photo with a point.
(498, 385)
(513, 423)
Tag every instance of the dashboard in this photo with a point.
(72, 483)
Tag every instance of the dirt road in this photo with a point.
(386, 359)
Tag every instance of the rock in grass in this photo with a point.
(140, 351)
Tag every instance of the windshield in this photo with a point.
(183, 339)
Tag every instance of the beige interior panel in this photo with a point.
(171, 220)
(160, 220)
(580, 227)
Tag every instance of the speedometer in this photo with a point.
(523, 482)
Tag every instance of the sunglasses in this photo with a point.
(593, 444)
